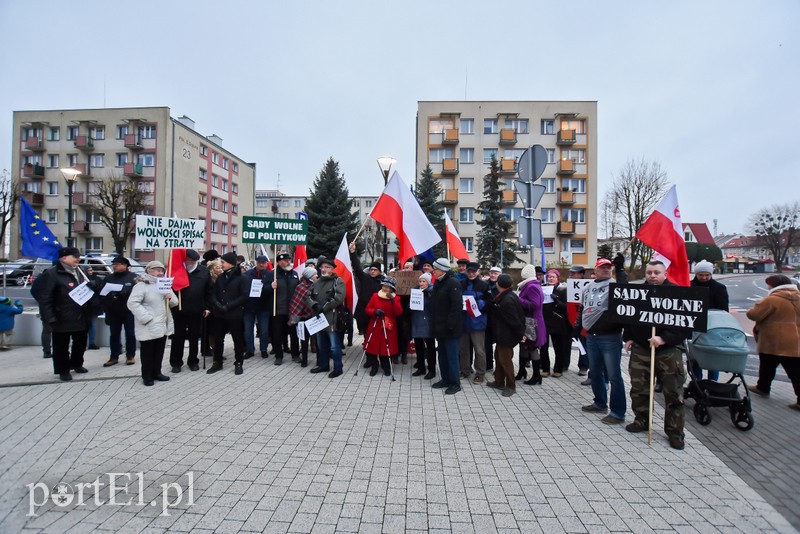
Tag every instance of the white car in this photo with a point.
(102, 267)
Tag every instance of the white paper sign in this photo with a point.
(316, 324)
(164, 285)
(581, 349)
(417, 301)
(301, 331)
(110, 288)
(166, 232)
(470, 301)
(548, 294)
(81, 294)
(255, 288)
(575, 288)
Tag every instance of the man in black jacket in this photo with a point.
(281, 283)
(228, 298)
(68, 319)
(258, 310)
(717, 300)
(446, 306)
(117, 287)
(508, 324)
(369, 284)
(195, 304)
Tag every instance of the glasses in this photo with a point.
(157, 269)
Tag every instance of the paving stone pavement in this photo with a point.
(280, 450)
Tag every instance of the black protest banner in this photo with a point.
(680, 307)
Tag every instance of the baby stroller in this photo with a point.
(722, 347)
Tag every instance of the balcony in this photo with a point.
(132, 170)
(34, 144)
(33, 170)
(84, 143)
(565, 227)
(566, 137)
(134, 142)
(81, 227)
(565, 196)
(508, 165)
(34, 199)
(450, 196)
(450, 136)
(508, 196)
(508, 136)
(82, 199)
(450, 166)
(566, 166)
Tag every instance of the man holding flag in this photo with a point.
(193, 287)
(663, 232)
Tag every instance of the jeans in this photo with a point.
(115, 323)
(449, 365)
(329, 345)
(250, 319)
(606, 351)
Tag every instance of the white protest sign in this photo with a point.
(255, 288)
(316, 324)
(81, 294)
(301, 331)
(548, 293)
(575, 288)
(417, 300)
(164, 285)
(581, 348)
(165, 232)
(110, 288)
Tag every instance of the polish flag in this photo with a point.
(264, 253)
(399, 211)
(663, 232)
(454, 242)
(344, 270)
(177, 270)
(300, 259)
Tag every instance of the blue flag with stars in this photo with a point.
(37, 239)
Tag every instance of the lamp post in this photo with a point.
(385, 164)
(71, 176)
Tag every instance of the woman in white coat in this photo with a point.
(153, 323)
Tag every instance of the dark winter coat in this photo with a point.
(422, 320)
(230, 294)
(264, 302)
(479, 290)
(717, 294)
(329, 292)
(196, 297)
(446, 306)
(116, 302)
(641, 333)
(55, 305)
(376, 341)
(287, 282)
(367, 286)
(556, 317)
(507, 319)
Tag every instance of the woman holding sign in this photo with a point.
(153, 322)
(422, 330)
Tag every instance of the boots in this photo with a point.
(522, 374)
(536, 379)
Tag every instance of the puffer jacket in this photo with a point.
(777, 317)
(230, 294)
(7, 312)
(149, 309)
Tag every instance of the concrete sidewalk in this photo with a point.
(281, 450)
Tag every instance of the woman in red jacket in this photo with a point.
(383, 309)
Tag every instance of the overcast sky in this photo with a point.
(709, 89)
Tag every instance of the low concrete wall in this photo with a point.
(28, 329)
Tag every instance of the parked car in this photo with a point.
(101, 264)
(24, 274)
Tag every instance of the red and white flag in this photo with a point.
(344, 270)
(266, 255)
(454, 243)
(300, 259)
(663, 232)
(399, 211)
(177, 270)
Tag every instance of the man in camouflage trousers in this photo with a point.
(668, 368)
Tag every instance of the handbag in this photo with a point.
(530, 329)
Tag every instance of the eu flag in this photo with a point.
(37, 239)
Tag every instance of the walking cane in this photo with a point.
(202, 339)
(363, 352)
(388, 355)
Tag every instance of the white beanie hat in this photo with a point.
(704, 267)
(529, 271)
(426, 276)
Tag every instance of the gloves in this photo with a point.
(317, 307)
(379, 313)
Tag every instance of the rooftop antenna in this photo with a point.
(278, 183)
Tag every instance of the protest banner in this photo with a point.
(165, 232)
(659, 305)
(575, 288)
(274, 231)
(406, 280)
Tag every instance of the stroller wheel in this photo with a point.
(741, 418)
(702, 414)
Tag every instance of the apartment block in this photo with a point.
(459, 138)
(183, 172)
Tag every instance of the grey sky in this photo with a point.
(709, 89)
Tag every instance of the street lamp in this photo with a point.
(71, 176)
(385, 164)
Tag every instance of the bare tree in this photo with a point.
(636, 190)
(9, 196)
(777, 229)
(117, 202)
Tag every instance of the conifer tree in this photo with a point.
(329, 213)
(429, 192)
(495, 226)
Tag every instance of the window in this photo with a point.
(98, 133)
(96, 160)
(148, 131)
(235, 168)
(146, 160)
(33, 187)
(467, 185)
(466, 155)
(52, 160)
(234, 188)
(440, 125)
(549, 184)
(234, 208)
(466, 215)
(52, 188)
(224, 163)
(284, 203)
(298, 203)
(93, 216)
(234, 230)
(548, 215)
(122, 131)
(215, 158)
(512, 214)
(52, 216)
(214, 226)
(73, 216)
(203, 175)
(468, 126)
(551, 155)
(203, 150)
(367, 203)
(214, 203)
(224, 206)
(548, 127)
(577, 215)
(72, 159)
(437, 155)
(577, 155)
(54, 134)
(72, 133)
(575, 245)
(488, 154)
(224, 229)
(579, 125)
(203, 198)
(518, 125)
(33, 160)
(549, 244)
(467, 243)
(122, 158)
(224, 185)
(577, 185)
(94, 243)
(513, 153)
(490, 126)
(262, 203)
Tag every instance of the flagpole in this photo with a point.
(275, 279)
(652, 388)
(363, 224)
